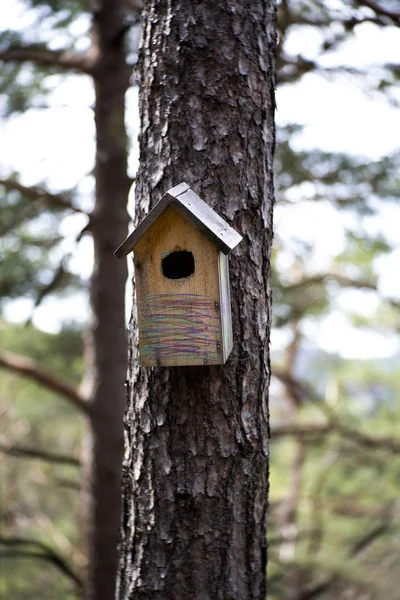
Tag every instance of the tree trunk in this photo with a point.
(195, 476)
(107, 339)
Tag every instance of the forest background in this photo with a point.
(334, 518)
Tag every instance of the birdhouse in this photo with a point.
(182, 281)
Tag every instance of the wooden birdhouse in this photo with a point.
(182, 281)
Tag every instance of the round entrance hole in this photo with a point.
(178, 265)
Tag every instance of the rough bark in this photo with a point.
(195, 475)
(107, 339)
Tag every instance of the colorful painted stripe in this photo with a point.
(179, 325)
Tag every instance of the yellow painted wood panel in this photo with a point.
(179, 319)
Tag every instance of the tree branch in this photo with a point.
(301, 391)
(29, 368)
(290, 69)
(350, 508)
(357, 548)
(369, 441)
(292, 536)
(34, 192)
(342, 279)
(41, 56)
(304, 392)
(44, 552)
(68, 483)
(380, 10)
(302, 430)
(370, 537)
(34, 453)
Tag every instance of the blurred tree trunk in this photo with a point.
(107, 348)
(195, 475)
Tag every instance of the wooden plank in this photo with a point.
(178, 189)
(179, 319)
(195, 210)
(128, 245)
(191, 206)
(225, 300)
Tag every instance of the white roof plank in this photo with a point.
(195, 210)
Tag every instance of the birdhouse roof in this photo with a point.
(195, 210)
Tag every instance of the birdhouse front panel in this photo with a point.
(177, 274)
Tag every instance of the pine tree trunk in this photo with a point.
(195, 474)
(107, 335)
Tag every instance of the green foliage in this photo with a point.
(53, 24)
(27, 270)
(63, 12)
(30, 257)
(40, 500)
(360, 253)
(346, 522)
(61, 353)
(346, 181)
(334, 518)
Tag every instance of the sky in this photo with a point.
(55, 145)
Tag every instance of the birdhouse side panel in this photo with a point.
(225, 299)
(178, 298)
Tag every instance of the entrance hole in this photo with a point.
(178, 265)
